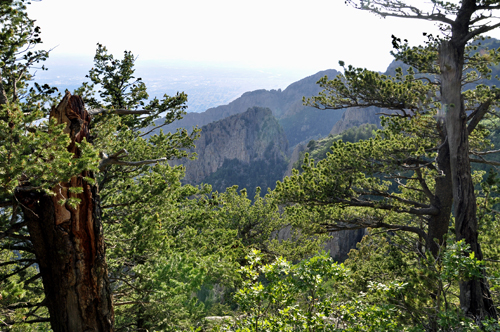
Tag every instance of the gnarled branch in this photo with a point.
(114, 160)
(120, 111)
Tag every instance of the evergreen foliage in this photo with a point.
(165, 241)
(178, 253)
(319, 149)
(406, 180)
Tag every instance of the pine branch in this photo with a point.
(114, 160)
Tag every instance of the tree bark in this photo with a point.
(68, 241)
(475, 298)
(3, 96)
(443, 200)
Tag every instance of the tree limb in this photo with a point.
(430, 210)
(425, 188)
(12, 229)
(478, 31)
(26, 305)
(399, 199)
(30, 280)
(358, 223)
(482, 161)
(128, 302)
(16, 272)
(18, 261)
(96, 111)
(398, 10)
(113, 160)
(482, 153)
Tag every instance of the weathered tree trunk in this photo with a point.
(443, 200)
(475, 298)
(68, 241)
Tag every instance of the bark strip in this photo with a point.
(69, 242)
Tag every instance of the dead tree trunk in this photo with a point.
(68, 241)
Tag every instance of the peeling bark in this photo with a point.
(69, 243)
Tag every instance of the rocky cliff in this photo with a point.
(299, 122)
(355, 117)
(231, 150)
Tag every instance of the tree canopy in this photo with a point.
(415, 175)
(98, 233)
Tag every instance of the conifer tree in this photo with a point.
(50, 197)
(417, 169)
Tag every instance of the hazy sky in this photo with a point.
(304, 36)
(215, 50)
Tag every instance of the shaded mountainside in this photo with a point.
(247, 149)
(355, 117)
(300, 123)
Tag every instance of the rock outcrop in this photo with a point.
(235, 142)
(355, 117)
(300, 123)
(294, 158)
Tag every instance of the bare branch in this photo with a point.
(358, 223)
(478, 31)
(113, 160)
(96, 111)
(483, 161)
(402, 10)
(482, 153)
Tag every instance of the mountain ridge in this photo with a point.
(299, 122)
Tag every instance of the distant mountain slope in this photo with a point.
(299, 122)
(247, 149)
(355, 117)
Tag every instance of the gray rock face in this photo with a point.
(294, 158)
(338, 245)
(298, 121)
(246, 137)
(342, 242)
(354, 117)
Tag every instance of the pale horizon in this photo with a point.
(273, 42)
